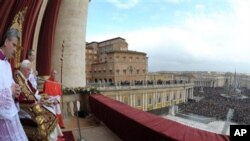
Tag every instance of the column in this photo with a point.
(143, 101)
(184, 96)
(153, 101)
(71, 28)
(187, 95)
(120, 95)
(171, 97)
(131, 100)
(164, 99)
(116, 84)
(116, 97)
(192, 93)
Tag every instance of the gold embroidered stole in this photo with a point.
(44, 118)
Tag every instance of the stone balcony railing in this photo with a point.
(104, 87)
(72, 103)
(79, 102)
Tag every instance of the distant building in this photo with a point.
(111, 62)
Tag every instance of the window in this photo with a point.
(150, 100)
(131, 71)
(138, 102)
(159, 98)
(126, 100)
(124, 71)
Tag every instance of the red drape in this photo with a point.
(5, 10)
(30, 24)
(9, 8)
(46, 37)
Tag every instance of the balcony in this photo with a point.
(91, 129)
(122, 122)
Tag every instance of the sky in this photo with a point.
(177, 35)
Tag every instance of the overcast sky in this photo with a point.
(178, 35)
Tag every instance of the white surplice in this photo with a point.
(10, 126)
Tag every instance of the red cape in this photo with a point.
(52, 88)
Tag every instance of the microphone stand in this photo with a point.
(78, 122)
(62, 72)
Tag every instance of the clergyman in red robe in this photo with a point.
(53, 89)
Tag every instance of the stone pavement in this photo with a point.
(91, 129)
